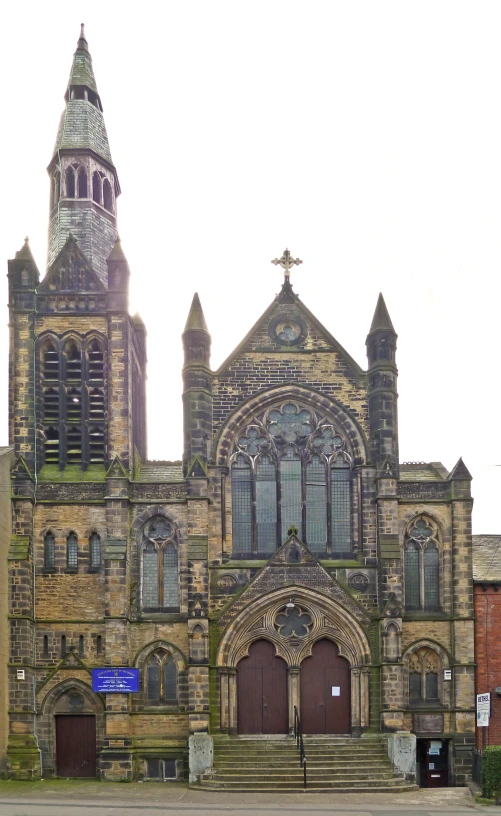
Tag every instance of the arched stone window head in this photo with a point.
(425, 671)
(422, 566)
(160, 566)
(160, 680)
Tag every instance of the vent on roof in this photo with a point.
(414, 463)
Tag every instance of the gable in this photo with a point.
(298, 570)
(71, 272)
(289, 346)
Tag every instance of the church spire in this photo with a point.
(196, 319)
(381, 320)
(84, 181)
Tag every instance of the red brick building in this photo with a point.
(487, 595)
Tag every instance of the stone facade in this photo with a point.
(117, 561)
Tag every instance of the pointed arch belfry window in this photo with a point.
(82, 183)
(422, 566)
(107, 196)
(160, 566)
(291, 469)
(70, 183)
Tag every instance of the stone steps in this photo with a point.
(339, 763)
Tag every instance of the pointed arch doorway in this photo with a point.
(262, 700)
(325, 691)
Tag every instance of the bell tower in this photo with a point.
(83, 180)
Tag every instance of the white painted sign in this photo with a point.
(447, 674)
(336, 691)
(483, 709)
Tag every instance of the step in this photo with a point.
(310, 789)
(368, 785)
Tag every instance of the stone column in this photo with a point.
(365, 698)
(232, 701)
(293, 689)
(224, 717)
(355, 701)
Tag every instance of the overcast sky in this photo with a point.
(364, 136)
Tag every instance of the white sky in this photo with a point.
(365, 136)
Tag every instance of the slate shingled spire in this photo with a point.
(84, 181)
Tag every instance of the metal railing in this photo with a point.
(477, 768)
(298, 736)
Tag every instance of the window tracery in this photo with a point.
(424, 672)
(161, 678)
(293, 622)
(160, 566)
(291, 468)
(422, 566)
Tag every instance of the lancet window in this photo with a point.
(161, 679)
(424, 672)
(160, 566)
(73, 401)
(422, 566)
(291, 469)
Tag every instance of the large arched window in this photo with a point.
(291, 469)
(161, 679)
(422, 566)
(425, 669)
(160, 566)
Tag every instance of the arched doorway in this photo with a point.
(325, 691)
(262, 691)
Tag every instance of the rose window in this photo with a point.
(293, 622)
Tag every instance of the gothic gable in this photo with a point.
(71, 272)
(295, 566)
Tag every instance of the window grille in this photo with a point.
(95, 551)
(72, 551)
(291, 470)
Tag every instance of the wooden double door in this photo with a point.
(263, 695)
(76, 745)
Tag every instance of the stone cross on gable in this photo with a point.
(286, 261)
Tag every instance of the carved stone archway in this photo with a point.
(327, 619)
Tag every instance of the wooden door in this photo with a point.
(76, 745)
(262, 691)
(325, 691)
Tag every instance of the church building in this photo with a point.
(288, 566)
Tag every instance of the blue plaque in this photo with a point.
(118, 681)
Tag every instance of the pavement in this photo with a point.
(91, 798)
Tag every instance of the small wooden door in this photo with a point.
(76, 745)
(262, 691)
(325, 691)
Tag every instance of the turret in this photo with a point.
(197, 392)
(84, 181)
(381, 347)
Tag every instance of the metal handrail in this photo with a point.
(298, 736)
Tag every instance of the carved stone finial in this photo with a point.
(286, 261)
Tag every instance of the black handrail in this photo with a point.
(298, 736)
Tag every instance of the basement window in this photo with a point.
(161, 769)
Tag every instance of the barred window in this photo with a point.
(72, 552)
(161, 679)
(95, 551)
(49, 551)
(160, 566)
(422, 566)
(291, 469)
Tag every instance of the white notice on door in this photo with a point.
(336, 691)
